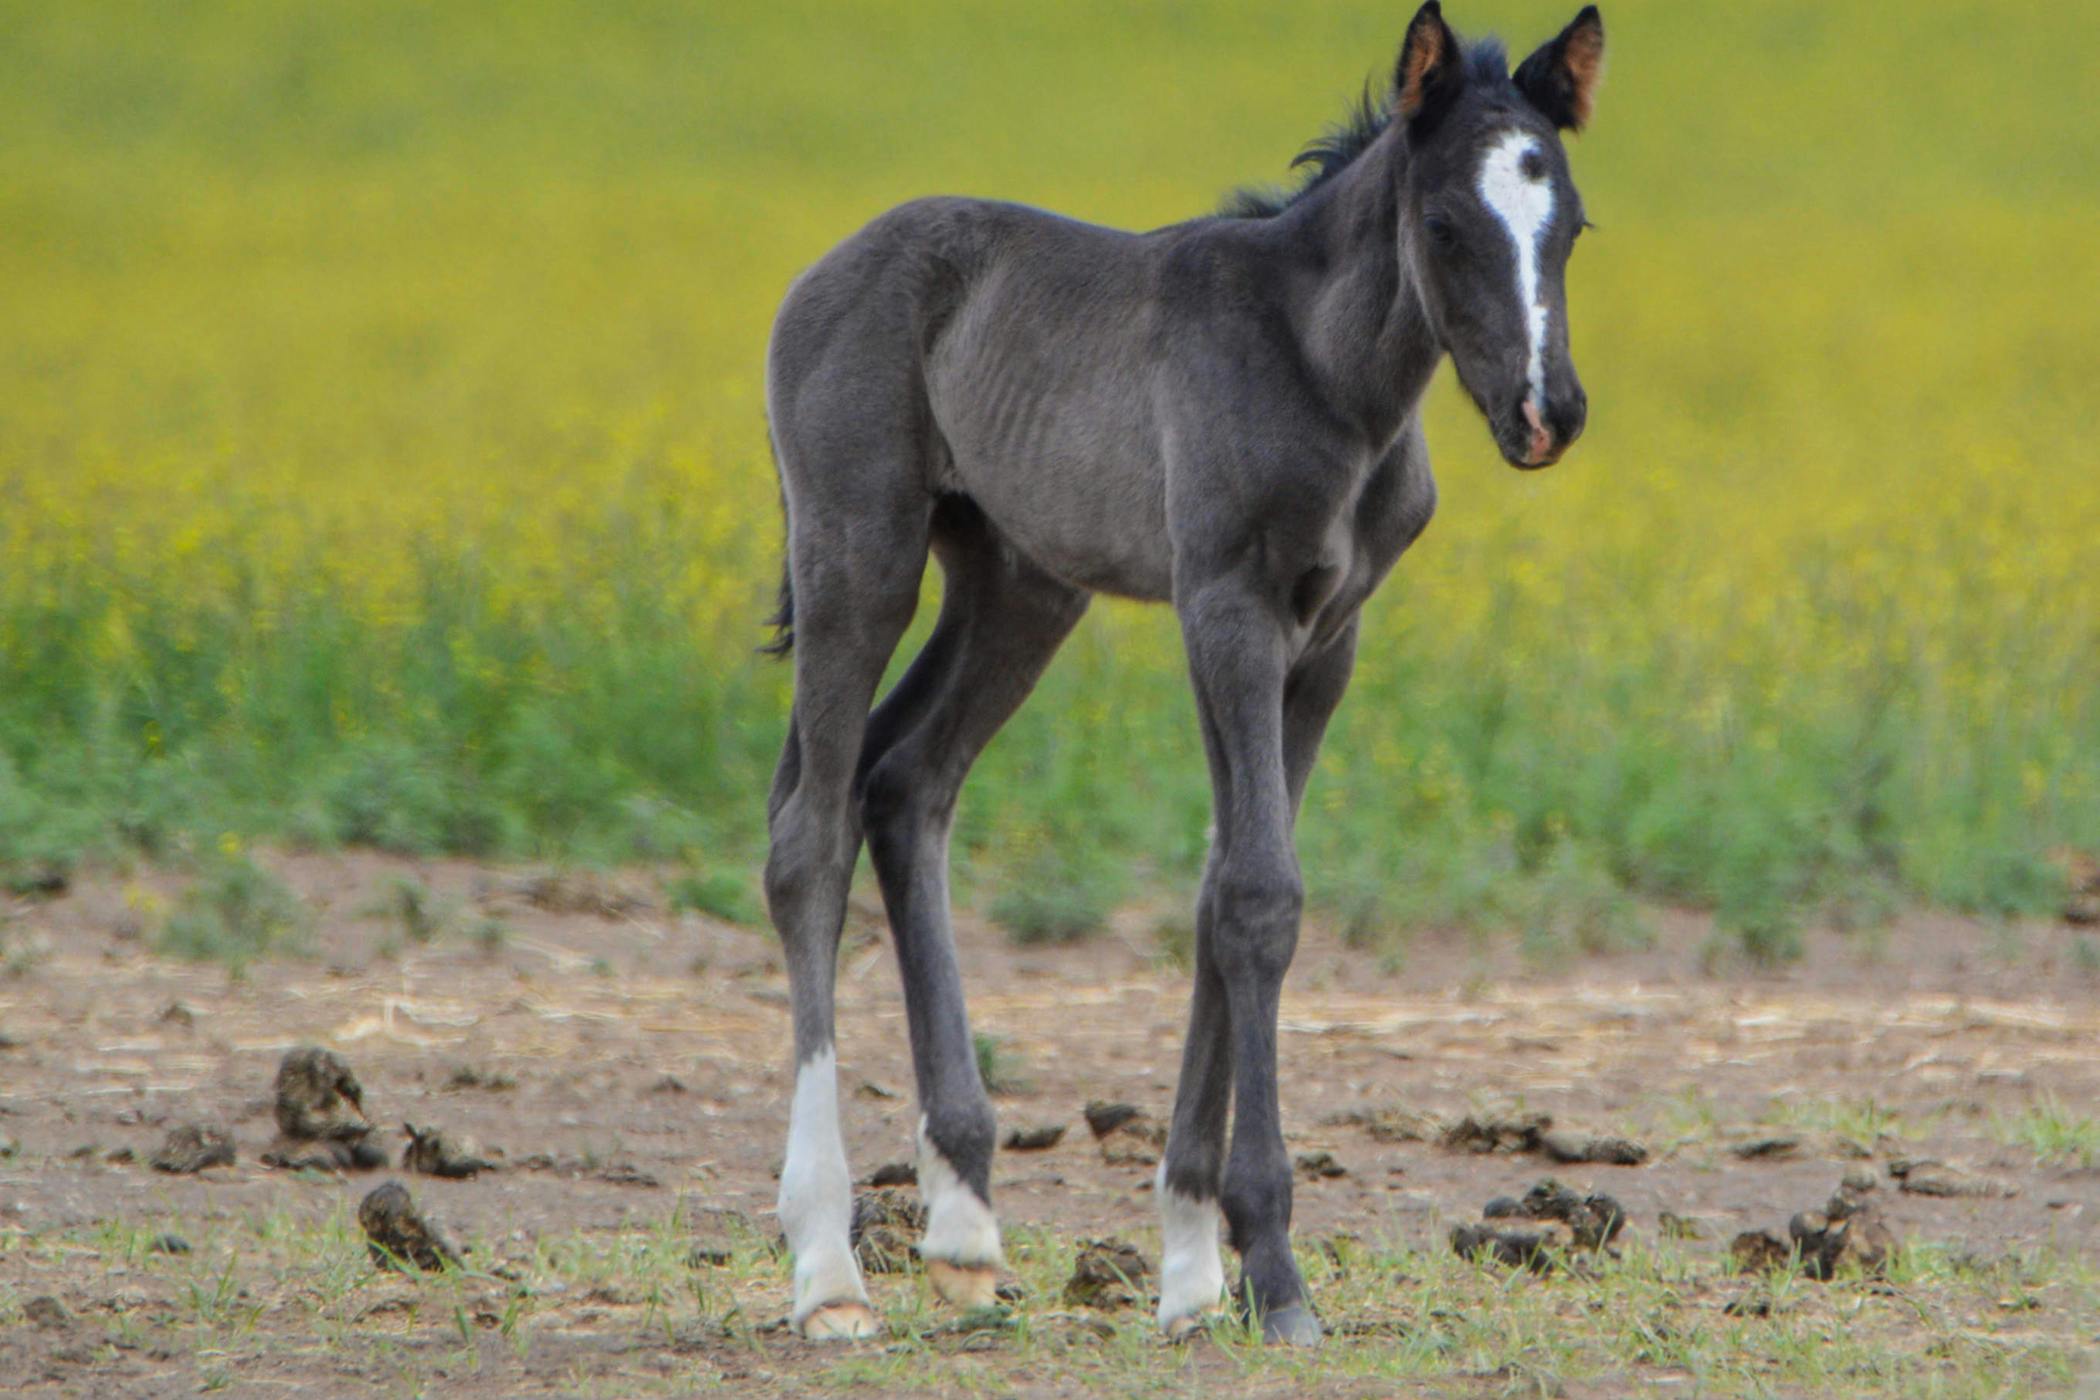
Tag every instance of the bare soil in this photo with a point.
(622, 1064)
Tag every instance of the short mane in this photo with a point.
(1332, 151)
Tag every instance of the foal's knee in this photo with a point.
(1256, 918)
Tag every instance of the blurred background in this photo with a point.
(383, 460)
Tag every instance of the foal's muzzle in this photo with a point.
(1541, 436)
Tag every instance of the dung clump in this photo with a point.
(1848, 1230)
(1128, 1135)
(1107, 1274)
(1549, 1222)
(885, 1228)
(321, 1122)
(192, 1147)
(433, 1152)
(318, 1098)
(398, 1235)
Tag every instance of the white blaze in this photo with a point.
(816, 1192)
(1525, 206)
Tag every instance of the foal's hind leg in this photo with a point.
(1001, 621)
(854, 593)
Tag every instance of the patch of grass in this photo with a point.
(1058, 892)
(2052, 1131)
(999, 1065)
(1862, 1121)
(419, 913)
(719, 893)
(233, 912)
(268, 1294)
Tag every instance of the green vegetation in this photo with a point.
(233, 912)
(384, 460)
(1943, 1326)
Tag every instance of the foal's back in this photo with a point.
(1022, 363)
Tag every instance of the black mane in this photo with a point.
(1332, 151)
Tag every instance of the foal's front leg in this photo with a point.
(1239, 661)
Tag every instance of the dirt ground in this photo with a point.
(630, 1065)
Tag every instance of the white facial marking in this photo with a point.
(1191, 1272)
(1525, 207)
(816, 1192)
(959, 1227)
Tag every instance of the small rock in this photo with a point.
(398, 1235)
(894, 1174)
(478, 1077)
(884, 1232)
(668, 1084)
(168, 1244)
(709, 1256)
(192, 1147)
(1039, 1139)
(1859, 1181)
(175, 1013)
(1320, 1165)
(1107, 1274)
(1579, 1147)
(1757, 1304)
(435, 1153)
(1762, 1149)
(46, 1312)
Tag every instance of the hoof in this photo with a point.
(850, 1321)
(1188, 1326)
(1293, 1326)
(965, 1285)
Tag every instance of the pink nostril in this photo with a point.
(1541, 440)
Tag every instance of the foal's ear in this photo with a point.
(1430, 65)
(1561, 78)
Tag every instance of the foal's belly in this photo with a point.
(1071, 476)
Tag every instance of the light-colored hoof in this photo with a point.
(1188, 1326)
(841, 1322)
(965, 1285)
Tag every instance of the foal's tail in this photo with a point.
(783, 619)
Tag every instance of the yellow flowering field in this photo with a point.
(382, 454)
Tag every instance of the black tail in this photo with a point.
(783, 619)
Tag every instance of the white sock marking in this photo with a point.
(959, 1227)
(1191, 1271)
(1525, 207)
(816, 1192)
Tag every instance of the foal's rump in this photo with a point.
(990, 350)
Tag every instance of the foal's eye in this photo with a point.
(1441, 233)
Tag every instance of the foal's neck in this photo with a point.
(1366, 333)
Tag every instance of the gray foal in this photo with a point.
(1223, 415)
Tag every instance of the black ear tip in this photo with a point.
(1431, 9)
(1590, 17)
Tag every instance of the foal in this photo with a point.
(1222, 415)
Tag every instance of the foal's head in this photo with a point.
(1490, 214)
